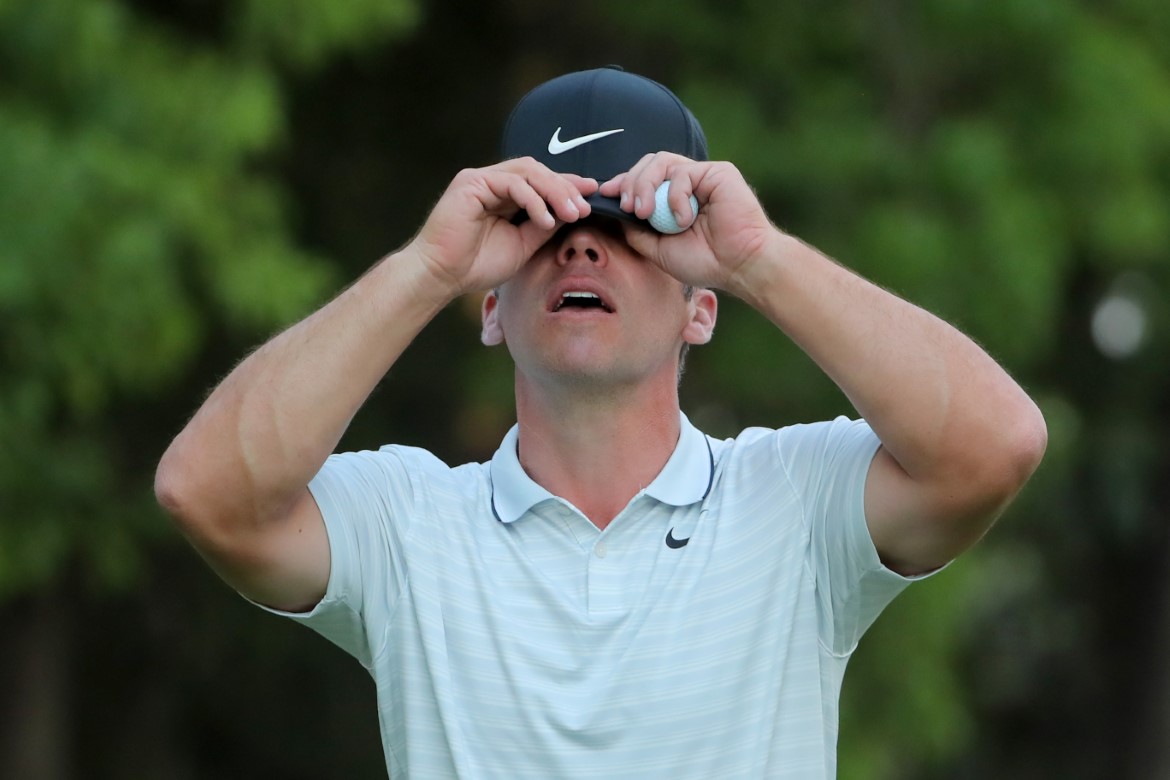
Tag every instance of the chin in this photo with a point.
(599, 373)
(588, 363)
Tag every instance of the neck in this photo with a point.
(596, 449)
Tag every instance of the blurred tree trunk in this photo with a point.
(1152, 740)
(36, 739)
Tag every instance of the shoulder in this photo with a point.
(798, 455)
(794, 439)
(408, 474)
(401, 458)
(746, 461)
(416, 458)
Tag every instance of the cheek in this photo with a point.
(669, 308)
(517, 319)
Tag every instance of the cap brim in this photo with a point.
(608, 207)
(601, 206)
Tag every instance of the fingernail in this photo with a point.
(677, 218)
(637, 203)
(625, 197)
(573, 206)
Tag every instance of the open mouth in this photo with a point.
(581, 300)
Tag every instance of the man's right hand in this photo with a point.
(469, 242)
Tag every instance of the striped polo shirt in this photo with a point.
(704, 633)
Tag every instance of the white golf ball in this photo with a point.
(662, 219)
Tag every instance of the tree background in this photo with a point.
(179, 180)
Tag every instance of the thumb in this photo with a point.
(533, 236)
(642, 240)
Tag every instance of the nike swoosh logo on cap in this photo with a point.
(557, 146)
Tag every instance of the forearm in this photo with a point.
(269, 426)
(940, 405)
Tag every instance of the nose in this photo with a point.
(582, 242)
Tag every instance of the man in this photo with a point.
(615, 594)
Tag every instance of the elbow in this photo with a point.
(181, 488)
(990, 465)
(1006, 467)
(1028, 442)
(192, 509)
(210, 506)
(172, 488)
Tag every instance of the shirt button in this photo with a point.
(599, 549)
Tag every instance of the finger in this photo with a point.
(580, 187)
(722, 175)
(637, 197)
(645, 177)
(497, 190)
(563, 192)
(683, 176)
(546, 198)
(678, 197)
(584, 184)
(510, 193)
(612, 188)
(620, 186)
(533, 236)
(564, 195)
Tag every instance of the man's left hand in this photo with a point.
(719, 245)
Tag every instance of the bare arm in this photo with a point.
(235, 478)
(959, 436)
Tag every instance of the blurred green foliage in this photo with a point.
(135, 210)
(177, 180)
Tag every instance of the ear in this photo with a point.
(704, 306)
(493, 333)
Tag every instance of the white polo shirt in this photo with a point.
(704, 633)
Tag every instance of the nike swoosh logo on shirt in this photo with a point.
(557, 146)
(674, 543)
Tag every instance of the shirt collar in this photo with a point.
(685, 479)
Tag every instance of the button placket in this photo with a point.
(605, 579)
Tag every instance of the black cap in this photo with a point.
(598, 123)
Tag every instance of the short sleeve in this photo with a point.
(366, 500)
(828, 463)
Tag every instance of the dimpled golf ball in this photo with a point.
(662, 219)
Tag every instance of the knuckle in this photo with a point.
(535, 168)
(466, 176)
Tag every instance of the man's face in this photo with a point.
(587, 307)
